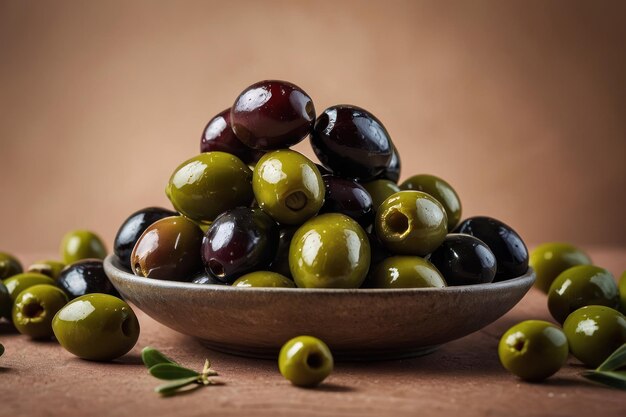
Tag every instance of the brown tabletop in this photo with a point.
(461, 378)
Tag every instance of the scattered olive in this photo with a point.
(82, 244)
(48, 268)
(34, 309)
(305, 361)
(18, 283)
(85, 277)
(550, 259)
(9, 266)
(6, 303)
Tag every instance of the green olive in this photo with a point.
(9, 266)
(411, 223)
(98, 327)
(6, 303)
(305, 361)
(405, 272)
(441, 191)
(594, 332)
(329, 251)
(49, 268)
(380, 190)
(207, 185)
(622, 292)
(82, 244)
(550, 259)
(581, 286)
(18, 283)
(34, 309)
(288, 186)
(533, 349)
(264, 279)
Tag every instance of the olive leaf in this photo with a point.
(170, 371)
(151, 357)
(616, 361)
(177, 384)
(611, 379)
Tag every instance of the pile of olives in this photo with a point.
(250, 212)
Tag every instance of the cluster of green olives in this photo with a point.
(250, 212)
(72, 300)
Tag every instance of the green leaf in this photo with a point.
(170, 371)
(616, 361)
(611, 379)
(171, 387)
(1, 349)
(151, 357)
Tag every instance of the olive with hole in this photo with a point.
(464, 260)
(405, 272)
(533, 350)
(441, 191)
(97, 327)
(218, 135)
(82, 244)
(18, 283)
(288, 187)
(305, 361)
(380, 190)
(264, 279)
(85, 277)
(34, 309)
(581, 286)
(348, 197)
(9, 266)
(550, 259)
(169, 249)
(411, 223)
(49, 268)
(6, 303)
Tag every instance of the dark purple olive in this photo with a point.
(507, 246)
(239, 241)
(392, 170)
(351, 142)
(85, 277)
(133, 227)
(323, 170)
(280, 264)
(348, 197)
(272, 115)
(218, 135)
(204, 279)
(464, 260)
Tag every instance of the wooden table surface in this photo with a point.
(461, 378)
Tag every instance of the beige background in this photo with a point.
(520, 105)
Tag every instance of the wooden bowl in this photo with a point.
(357, 324)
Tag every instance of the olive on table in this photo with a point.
(6, 303)
(85, 277)
(168, 249)
(464, 260)
(533, 349)
(393, 168)
(594, 332)
(272, 114)
(9, 266)
(239, 241)
(507, 246)
(305, 361)
(411, 223)
(581, 286)
(380, 190)
(207, 185)
(47, 267)
(82, 244)
(133, 227)
(441, 191)
(550, 259)
(405, 272)
(351, 142)
(97, 327)
(263, 279)
(288, 187)
(34, 309)
(348, 197)
(218, 135)
(329, 251)
(18, 283)
(280, 264)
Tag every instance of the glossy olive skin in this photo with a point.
(218, 135)
(280, 264)
(85, 277)
(9, 266)
(508, 247)
(329, 251)
(97, 327)
(133, 227)
(533, 350)
(272, 114)
(239, 241)
(348, 197)
(169, 249)
(6, 303)
(205, 279)
(550, 259)
(380, 190)
(581, 286)
(82, 244)
(207, 185)
(288, 187)
(393, 169)
(622, 292)
(34, 309)
(49, 268)
(305, 361)
(352, 142)
(263, 279)
(594, 332)
(18, 283)
(411, 223)
(464, 260)
(441, 191)
(405, 272)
